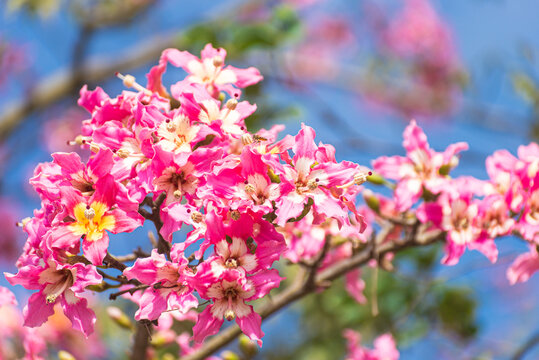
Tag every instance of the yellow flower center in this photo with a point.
(91, 220)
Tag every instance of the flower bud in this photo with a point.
(64, 355)
(247, 346)
(376, 179)
(229, 355)
(119, 317)
(161, 339)
(372, 201)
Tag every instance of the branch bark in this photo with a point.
(298, 290)
(60, 85)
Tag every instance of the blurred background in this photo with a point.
(356, 71)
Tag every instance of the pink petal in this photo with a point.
(251, 326)
(206, 325)
(38, 310)
(82, 318)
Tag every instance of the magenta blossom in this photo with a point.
(421, 169)
(60, 283)
(168, 281)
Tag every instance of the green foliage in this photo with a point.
(43, 8)
(410, 307)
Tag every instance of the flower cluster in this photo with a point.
(471, 212)
(180, 158)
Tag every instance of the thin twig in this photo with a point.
(297, 290)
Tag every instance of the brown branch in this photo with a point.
(60, 84)
(132, 290)
(527, 346)
(297, 290)
(141, 340)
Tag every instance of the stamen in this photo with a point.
(89, 213)
(235, 215)
(197, 217)
(171, 127)
(51, 298)
(177, 194)
(247, 139)
(122, 153)
(218, 61)
(230, 315)
(23, 222)
(231, 263)
(313, 184)
(130, 82)
(231, 104)
(361, 178)
(249, 188)
(79, 140)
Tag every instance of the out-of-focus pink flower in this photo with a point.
(524, 266)
(384, 347)
(422, 168)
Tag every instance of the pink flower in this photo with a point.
(229, 294)
(422, 168)
(209, 71)
(524, 266)
(384, 347)
(90, 218)
(169, 284)
(61, 283)
(312, 175)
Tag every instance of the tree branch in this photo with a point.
(141, 340)
(527, 346)
(297, 290)
(60, 84)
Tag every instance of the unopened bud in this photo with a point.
(161, 339)
(218, 61)
(371, 200)
(64, 355)
(229, 355)
(247, 139)
(376, 179)
(230, 315)
(231, 104)
(119, 317)
(197, 217)
(247, 346)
